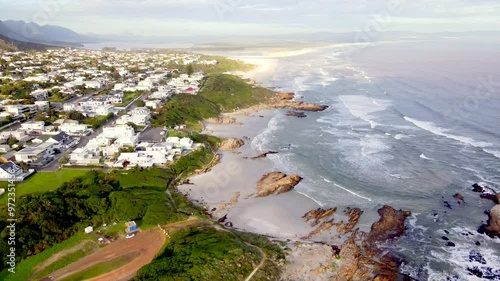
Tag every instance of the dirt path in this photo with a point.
(54, 258)
(144, 247)
(261, 264)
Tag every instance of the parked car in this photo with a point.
(130, 236)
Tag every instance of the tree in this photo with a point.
(189, 69)
(12, 141)
(139, 103)
(64, 159)
(133, 126)
(23, 166)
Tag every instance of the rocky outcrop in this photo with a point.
(317, 215)
(459, 197)
(493, 227)
(390, 225)
(221, 120)
(285, 95)
(231, 144)
(276, 183)
(285, 101)
(264, 155)
(307, 106)
(298, 114)
(363, 263)
(486, 192)
(354, 215)
(325, 226)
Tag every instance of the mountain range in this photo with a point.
(28, 35)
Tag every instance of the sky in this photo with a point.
(257, 17)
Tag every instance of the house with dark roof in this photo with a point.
(12, 171)
(61, 140)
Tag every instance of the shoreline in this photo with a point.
(228, 189)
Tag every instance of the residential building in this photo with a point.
(84, 157)
(10, 171)
(40, 94)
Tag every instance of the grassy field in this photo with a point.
(231, 92)
(128, 97)
(26, 268)
(67, 260)
(99, 269)
(42, 182)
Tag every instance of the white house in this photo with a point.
(84, 157)
(139, 116)
(116, 132)
(184, 143)
(75, 129)
(154, 104)
(34, 127)
(40, 94)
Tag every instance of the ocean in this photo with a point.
(410, 124)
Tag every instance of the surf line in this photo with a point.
(352, 192)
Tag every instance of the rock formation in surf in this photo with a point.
(231, 144)
(276, 183)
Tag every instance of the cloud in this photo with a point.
(256, 16)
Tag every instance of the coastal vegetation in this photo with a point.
(220, 93)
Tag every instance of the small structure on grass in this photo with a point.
(131, 227)
(89, 229)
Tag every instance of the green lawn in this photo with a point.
(42, 182)
(128, 97)
(26, 268)
(87, 249)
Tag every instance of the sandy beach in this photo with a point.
(278, 216)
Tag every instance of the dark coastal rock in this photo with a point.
(476, 257)
(336, 250)
(487, 192)
(213, 210)
(263, 155)
(478, 243)
(484, 272)
(450, 244)
(223, 219)
(445, 238)
(228, 224)
(298, 114)
(187, 182)
(447, 205)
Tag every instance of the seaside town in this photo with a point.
(75, 107)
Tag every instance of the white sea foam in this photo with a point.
(400, 136)
(363, 107)
(424, 157)
(428, 126)
(345, 189)
(372, 145)
(261, 140)
(459, 255)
